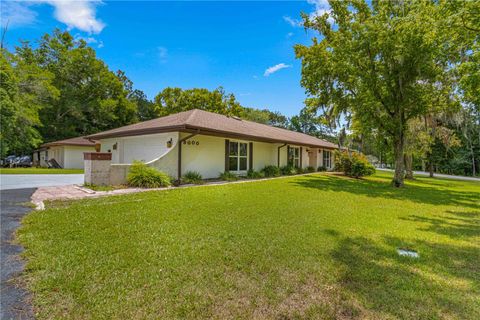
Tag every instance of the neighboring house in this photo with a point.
(67, 153)
(210, 143)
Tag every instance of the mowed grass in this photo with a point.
(318, 246)
(39, 171)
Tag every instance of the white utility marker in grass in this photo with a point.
(408, 253)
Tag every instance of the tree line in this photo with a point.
(60, 89)
(405, 76)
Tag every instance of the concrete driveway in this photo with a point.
(14, 299)
(22, 181)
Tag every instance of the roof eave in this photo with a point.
(201, 130)
(213, 132)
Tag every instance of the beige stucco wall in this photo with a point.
(206, 157)
(201, 153)
(43, 159)
(264, 154)
(73, 156)
(68, 157)
(145, 148)
(57, 153)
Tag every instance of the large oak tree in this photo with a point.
(381, 63)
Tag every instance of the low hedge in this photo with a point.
(353, 164)
(271, 171)
(142, 176)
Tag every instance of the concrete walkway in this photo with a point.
(22, 181)
(72, 192)
(15, 301)
(438, 175)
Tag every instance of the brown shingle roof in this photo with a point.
(78, 141)
(209, 123)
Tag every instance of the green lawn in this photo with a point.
(315, 246)
(38, 171)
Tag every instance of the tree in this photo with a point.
(92, 98)
(145, 107)
(174, 100)
(308, 123)
(378, 63)
(24, 91)
(265, 116)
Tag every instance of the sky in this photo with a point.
(246, 47)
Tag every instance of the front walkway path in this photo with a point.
(71, 192)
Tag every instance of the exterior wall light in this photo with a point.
(169, 143)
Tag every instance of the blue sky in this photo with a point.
(246, 47)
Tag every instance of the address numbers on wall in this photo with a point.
(191, 142)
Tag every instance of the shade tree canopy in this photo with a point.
(384, 64)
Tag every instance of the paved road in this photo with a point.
(22, 181)
(14, 299)
(439, 175)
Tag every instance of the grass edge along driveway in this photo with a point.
(39, 171)
(315, 246)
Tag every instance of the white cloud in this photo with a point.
(162, 54)
(275, 68)
(76, 14)
(90, 40)
(293, 22)
(321, 7)
(79, 14)
(16, 14)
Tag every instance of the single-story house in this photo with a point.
(210, 143)
(67, 153)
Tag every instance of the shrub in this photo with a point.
(142, 176)
(271, 171)
(192, 177)
(228, 176)
(252, 174)
(321, 169)
(309, 169)
(300, 170)
(353, 164)
(288, 170)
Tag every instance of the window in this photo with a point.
(327, 159)
(294, 157)
(237, 156)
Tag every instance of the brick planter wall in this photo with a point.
(97, 168)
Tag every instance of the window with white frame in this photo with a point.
(294, 157)
(238, 152)
(327, 159)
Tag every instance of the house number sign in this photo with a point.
(191, 142)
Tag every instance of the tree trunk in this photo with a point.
(409, 166)
(399, 160)
(473, 160)
(430, 167)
